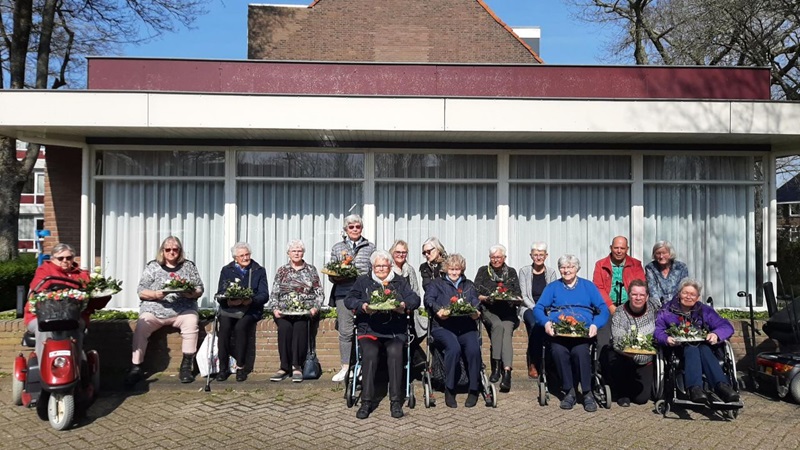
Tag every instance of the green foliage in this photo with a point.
(733, 314)
(110, 314)
(788, 260)
(17, 272)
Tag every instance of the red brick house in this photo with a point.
(31, 202)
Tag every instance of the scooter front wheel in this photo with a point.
(61, 410)
(17, 387)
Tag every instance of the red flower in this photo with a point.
(387, 291)
(499, 284)
(686, 330)
(501, 289)
(173, 275)
(453, 299)
(459, 291)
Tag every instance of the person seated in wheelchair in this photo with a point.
(61, 264)
(575, 300)
(378, 328)
(684, 313)
(632, 369)
(456, 336)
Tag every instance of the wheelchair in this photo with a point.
(352, 380)
(670, 391)
(433, 374)
(601, 391)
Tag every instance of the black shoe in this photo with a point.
(569, 400)
(397, 409)
(450, 398)
(624, 402)
(222, 376)
(727, 393)
(134, 375)
(364, 411)
(505, 383)
(472, 399)
(241, 375)
(495, 376)
(187, 364)
(697, 395)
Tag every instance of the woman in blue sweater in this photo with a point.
(580, 299)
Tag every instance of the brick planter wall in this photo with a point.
(112, 339)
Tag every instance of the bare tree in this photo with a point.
(763, 33)
(42, 43)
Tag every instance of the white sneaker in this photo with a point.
(339, 377)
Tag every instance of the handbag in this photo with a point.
(312, 369)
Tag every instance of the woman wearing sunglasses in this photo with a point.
(164, 306)
(357, 248)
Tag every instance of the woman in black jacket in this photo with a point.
(248, 274)
(376, 329)
(456, 337)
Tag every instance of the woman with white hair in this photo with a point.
(357, 248)
(533, 279)
(500, 317)
(381, 330)
(664, 273)
(246, 273)
(577, 300)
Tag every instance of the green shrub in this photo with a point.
(17, 272)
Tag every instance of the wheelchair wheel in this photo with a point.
(412, 398)
(544, 396)
(491, 395)
(607, 393)
(427, 396)
(349, 396)
(658, 375)
(662, 408)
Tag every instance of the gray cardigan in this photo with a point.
(526, 283)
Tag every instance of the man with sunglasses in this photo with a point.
(360, 250)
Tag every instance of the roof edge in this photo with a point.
(509, 29)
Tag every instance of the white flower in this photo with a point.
(236, 280)
(97, 269)
(633, 327)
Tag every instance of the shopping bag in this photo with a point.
(208, 356)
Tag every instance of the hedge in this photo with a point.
(17, 272)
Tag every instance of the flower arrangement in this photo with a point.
(637, 343)
(295, 304)
(685, 331)
(570, 326)
(383, 298)
(459, 306)
(502, 293)
(176, 283)
(235, 291)
(71, 295)
(341, 267)
(100, 286)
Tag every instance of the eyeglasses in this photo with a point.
(172, 250)
(400, 253)
(382, 266)
(246, 255)
(427, 252)
(354, 227)
(63, 258)
(495, 258)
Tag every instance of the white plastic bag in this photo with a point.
(208, 354)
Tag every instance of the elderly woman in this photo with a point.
(432, 268)
(245, 273)
(161, 306)
(456, 337)
(357, 247)
(500, 317)
(698, 358)
(399, 252)
(664, 273)
(61, 264)
(631, 376)
(532, 281)
(580, 299)
(295, 282)
(377, 330)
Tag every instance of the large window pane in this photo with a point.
(161, 163)
(137, 216)
(435, 167)
(300, 165)
(663, 167)
(576, 219)
(569, 167)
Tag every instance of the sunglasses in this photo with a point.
(354, 227)
(63, 258)
(172, 250)
(427, 252)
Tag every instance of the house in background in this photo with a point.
(788, 199)
(31, 204)
(428, 118)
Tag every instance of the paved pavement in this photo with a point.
(313, 414)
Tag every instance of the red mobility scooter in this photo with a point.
(62, 380)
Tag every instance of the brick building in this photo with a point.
(31, 202)
(474, 152)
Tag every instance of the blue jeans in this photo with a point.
(699, 360)
(454, 347)
(536, 336)
(572, 358)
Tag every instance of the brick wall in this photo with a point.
(112, 339)
(454, 31)
(62, 191)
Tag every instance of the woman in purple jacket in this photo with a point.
(699, 358)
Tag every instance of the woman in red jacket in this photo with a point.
(62, 264)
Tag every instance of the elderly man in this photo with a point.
(614, 273)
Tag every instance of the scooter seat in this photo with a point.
(28, 339)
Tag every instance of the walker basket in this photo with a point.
(59, 315)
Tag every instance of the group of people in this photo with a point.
(648, 299)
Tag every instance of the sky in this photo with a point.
(222, 33)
